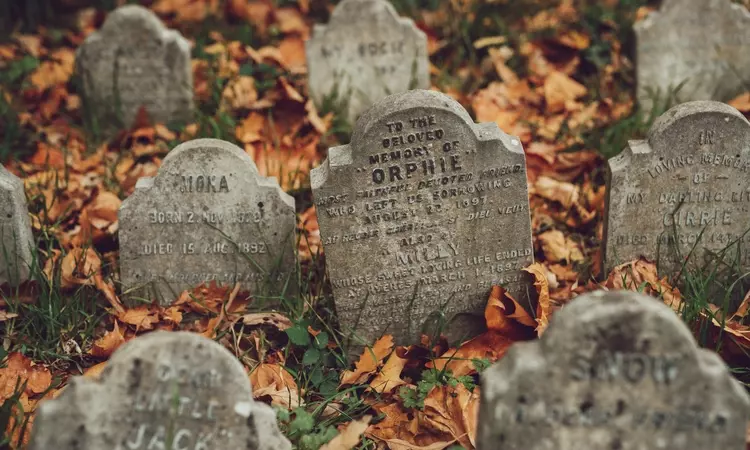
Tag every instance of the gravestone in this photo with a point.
(423, 212)
(615, 370)
(365, 53)
(207, 216)
(685, 191)
(164, 390)
(15, 226)
(699, 44)
(135, 62)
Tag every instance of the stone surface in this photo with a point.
(207, 216)
(615, 370)
(702, 43)
(17, 241)
(134, 61)
(422, 212)
(365, 53)
(164, 391)
(684, 188)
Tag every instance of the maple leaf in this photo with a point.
(389, 377)
(107, 344)
(369, 361)
(453, 410)
(349, 436)
(142, 317)
(18, 370)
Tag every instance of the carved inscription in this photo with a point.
(421, 214)
(160, 391)
(609, 373)
(207, 217)
(684, 191)
(365, 53)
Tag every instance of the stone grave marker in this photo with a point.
(685, 188)
(365, 53)
(615, 370)
(135, 62)
(15, 226)
(164, 390)
(701, 43)
(423, 212)
(208, 215)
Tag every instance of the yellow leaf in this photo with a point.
(349, 436)
(369, 361)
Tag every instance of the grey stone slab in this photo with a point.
(134, 61)
(164, 390)
(615, 370)
(699, 43)
(423, 212)
(207, 216)
(684, 189)
(17, 240)
(365, 53)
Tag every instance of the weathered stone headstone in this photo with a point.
(207, 216)
(15, 226)
(135, 62)
(615, 370)
(685, 191)
(365, 53)
(701, 43)
(423, 212)
(164, 390)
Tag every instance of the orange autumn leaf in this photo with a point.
(503, 312)
(453, 411)
(558, 247)
(369, 361)
(274, 382)
(559, 89)
(142, 317)
(389, 377)
(543, 309)
(19, 370)
(79, 267)
(350, 436)
(557, 191)
(490, 345)
(107, 344)
(95, 371)
(640, 274)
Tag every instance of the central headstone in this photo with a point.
(17, 241)
(161, 391)
(615, 370)
(422, 213)
(365, 53)
(135, 62)
(207, 216)
(699, 46)
(683, 194)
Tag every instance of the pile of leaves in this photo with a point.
(557, 74)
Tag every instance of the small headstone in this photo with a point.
(135, 62)
(15, 226)
(365, 53)
(164, 390)
(207, 216)
(685, 191)
(615, 370)
(423, 212)
(699, 44)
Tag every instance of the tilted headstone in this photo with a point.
(423, 212)
(684, 192)
(164, 390)
(15, 226)
(365, 53)
(207, 216)
(135, 62)
(699, 44)
(615, 370)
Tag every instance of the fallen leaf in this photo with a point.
(389, 377)
(559, 89)
(369, 361)
(107, 344)
(543, 309)
(142, 317)
(350, 436)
